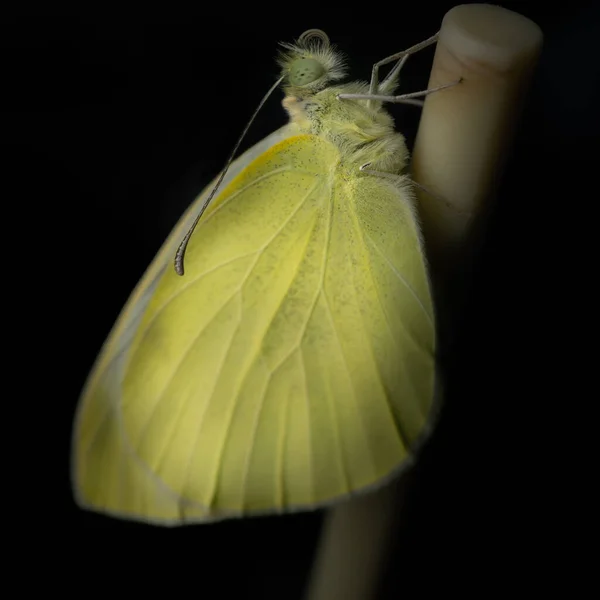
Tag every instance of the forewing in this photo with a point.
(292, 365)
(91, 474)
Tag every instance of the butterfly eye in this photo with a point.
(305, 71)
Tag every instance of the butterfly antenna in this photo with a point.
(180, 254)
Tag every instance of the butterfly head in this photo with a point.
(310, 64)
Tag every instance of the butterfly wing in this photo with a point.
(91, 474)
(292, 365)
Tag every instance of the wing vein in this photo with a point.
(172, 376)
(205, 220)
(246, 187)
(400, 277)
(345, 361)
(195, 339)
(407, 330)
(296, 346)
(185, 287)
(401, 435)
(201, 419)
(257, 352)
(375, 365)
(311, 482)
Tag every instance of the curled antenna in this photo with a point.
(314, 33)
(180, 254)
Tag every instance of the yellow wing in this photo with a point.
(293, 364)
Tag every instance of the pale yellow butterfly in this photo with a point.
(293, 363)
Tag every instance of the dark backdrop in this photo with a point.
(112, 123)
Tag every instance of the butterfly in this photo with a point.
(286, 359)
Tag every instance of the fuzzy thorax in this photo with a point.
(363, 134)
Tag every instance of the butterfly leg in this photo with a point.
(403, 99)
(401, 57)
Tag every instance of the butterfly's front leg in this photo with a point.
(390, 81)
(402, 99)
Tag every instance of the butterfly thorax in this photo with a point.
(363, 131)
(362, 134)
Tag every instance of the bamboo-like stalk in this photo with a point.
(464, 135)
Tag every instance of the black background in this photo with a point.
(111, 125)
